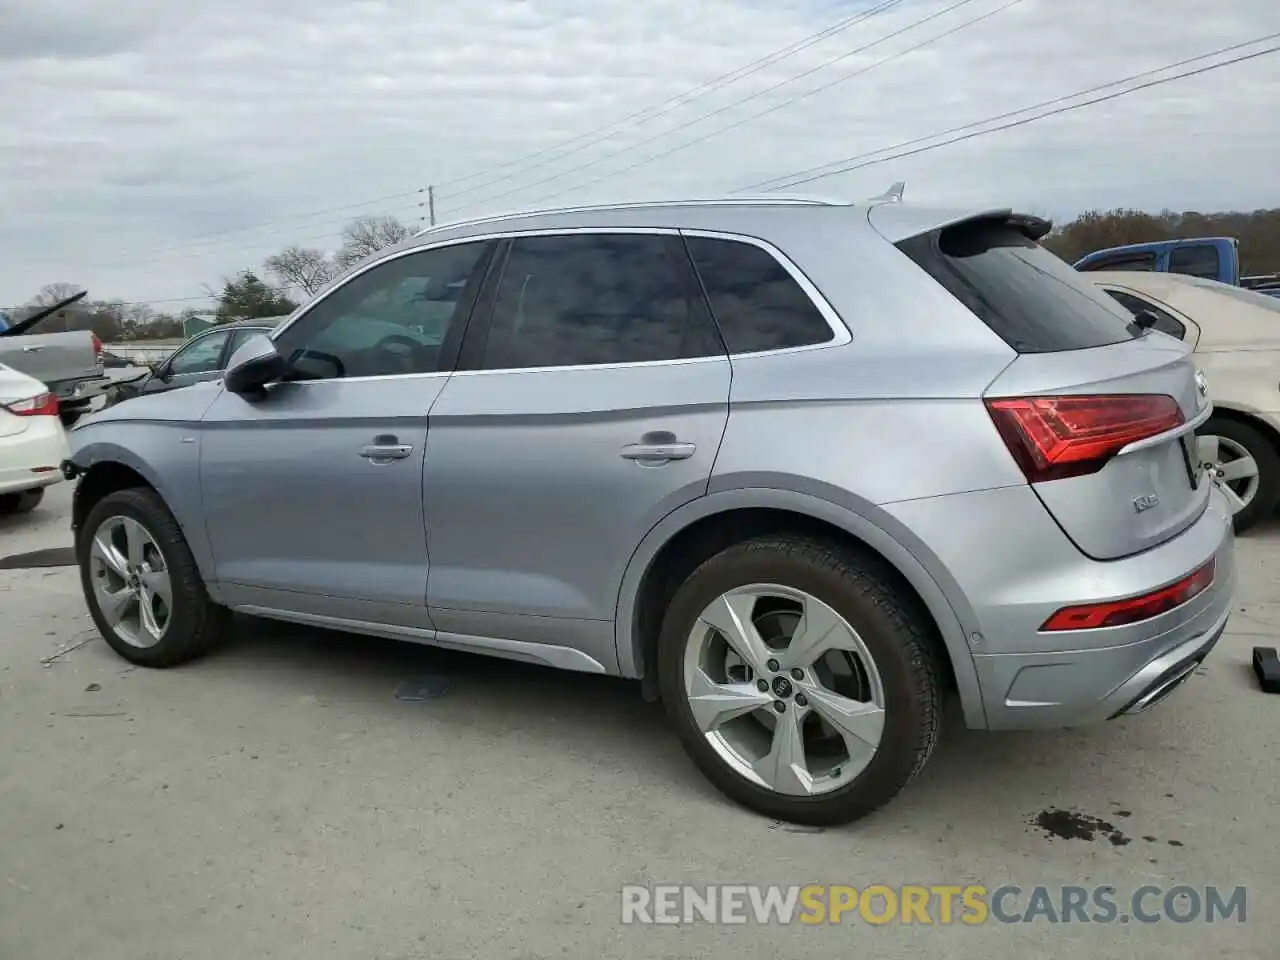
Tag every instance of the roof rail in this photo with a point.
(780, 199)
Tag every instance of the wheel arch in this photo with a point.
(105, 467)
(1250, 417)
(694, 532)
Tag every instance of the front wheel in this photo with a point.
(801, 680)
(1246, 466)
(141, 582)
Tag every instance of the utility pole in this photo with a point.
(431, 204)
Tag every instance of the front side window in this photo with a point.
(392, 319)
(585, 299)
(200, 356)
(756, 303)
(1165, 322)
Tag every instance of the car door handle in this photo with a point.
(32, 349)
(658, 452)
(384, 452)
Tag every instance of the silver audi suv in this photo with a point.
(801, 468)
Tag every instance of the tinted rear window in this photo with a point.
(1195, 260)
(757, 304)
(1030, 298)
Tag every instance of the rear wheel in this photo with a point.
(23, 502)
(141, 582)
(800, 680)
(1246, 466)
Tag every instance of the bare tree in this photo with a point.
(300, 268)
(367, 235)
(53, 292)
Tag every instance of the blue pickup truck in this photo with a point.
(1213, 258)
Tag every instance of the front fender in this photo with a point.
(166, 455)
(874, 527)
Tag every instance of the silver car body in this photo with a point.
(517, 525)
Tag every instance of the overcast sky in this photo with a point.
(149, 147)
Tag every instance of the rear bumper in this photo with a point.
(33, 458)
(75, 393)
(1006, 567)
(1081, 682)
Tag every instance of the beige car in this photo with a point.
(1235, 334)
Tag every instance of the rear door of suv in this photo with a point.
(590, 400)
(1099, 414)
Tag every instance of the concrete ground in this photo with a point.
(277, 800)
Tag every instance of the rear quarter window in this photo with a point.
(1031, 299)
(756, 303)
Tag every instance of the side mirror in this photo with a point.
(162, 371)
(254, 364)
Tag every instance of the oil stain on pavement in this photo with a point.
(1070, 825)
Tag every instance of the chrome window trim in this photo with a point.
(840, 333)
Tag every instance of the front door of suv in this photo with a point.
(313, 492)
(589, 402)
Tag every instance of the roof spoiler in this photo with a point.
(24, 325)
(1034, 227)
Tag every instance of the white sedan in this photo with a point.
(1235, 334)
(32, 441)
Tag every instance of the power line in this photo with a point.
(129, 303)
(202, 240)
(636, 118)
(786, 103)
(648, 114)
(737, 103)
(857, 162)
(769, 183)
(186, 254)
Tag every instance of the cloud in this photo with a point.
(149, 148)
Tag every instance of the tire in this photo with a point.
(193, 625)
(1262, 496)
(22, 502)
(893, 630)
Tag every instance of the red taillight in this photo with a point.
(1052, 438)
(41, 405)
(1116, 613)
(97, 346)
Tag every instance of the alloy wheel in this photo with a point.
(1232, 467)
(131, 582)
(784, 690)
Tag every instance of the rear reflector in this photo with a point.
(1117, 613)
(1052, 438)
(41, 405)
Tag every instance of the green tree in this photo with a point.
(246, 297)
